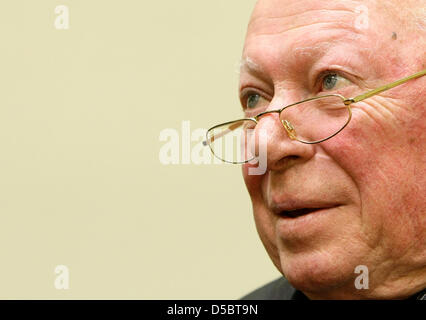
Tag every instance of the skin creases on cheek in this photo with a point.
(383, 171)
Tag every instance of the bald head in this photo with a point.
(371, 20)
(410, 14)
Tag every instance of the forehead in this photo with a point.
(285, 13)
(291, 30)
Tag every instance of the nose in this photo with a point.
(277, 144)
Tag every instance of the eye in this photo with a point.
(253, 100)
(333, 81)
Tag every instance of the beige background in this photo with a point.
(81, 184)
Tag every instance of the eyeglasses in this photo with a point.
(310, 121)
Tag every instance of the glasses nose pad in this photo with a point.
(291, 132)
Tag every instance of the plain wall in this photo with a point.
(81, 182)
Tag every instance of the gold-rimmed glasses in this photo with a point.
(310, 121)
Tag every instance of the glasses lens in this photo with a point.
(232, 142)
(316, 119)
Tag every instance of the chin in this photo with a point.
(325, 274)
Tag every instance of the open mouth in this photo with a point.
(300, 212)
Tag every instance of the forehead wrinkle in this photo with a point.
(279, 9)
(299, 52)
(322, 25)
(263, 23)
(328, 25)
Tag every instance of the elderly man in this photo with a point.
(343, 195)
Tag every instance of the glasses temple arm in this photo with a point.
(221, 134)
(387, 87)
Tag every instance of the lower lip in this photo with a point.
(305, 224)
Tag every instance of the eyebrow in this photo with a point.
(301, 54)
(248, 64)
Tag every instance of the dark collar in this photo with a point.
(420, 295)
(298, 295)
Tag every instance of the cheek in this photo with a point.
(254, 187)
(253, 183)
(377, 159)
(373, 154)
(264, 225)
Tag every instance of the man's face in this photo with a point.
(361, 194)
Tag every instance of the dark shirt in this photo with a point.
(281, 289)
